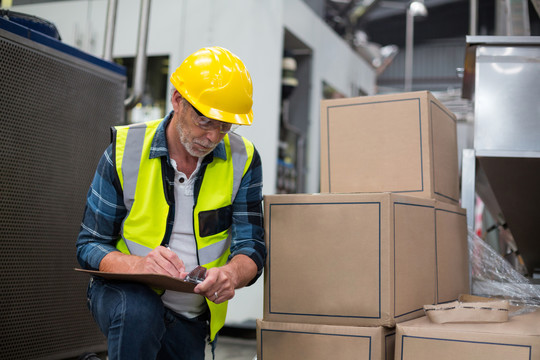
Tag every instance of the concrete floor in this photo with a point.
(233, 348)
(229, 347)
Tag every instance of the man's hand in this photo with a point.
(221, 282)
(159, 261)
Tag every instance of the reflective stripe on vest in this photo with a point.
(144, 227)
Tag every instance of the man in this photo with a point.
(169, 195)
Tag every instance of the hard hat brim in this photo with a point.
(220, 115)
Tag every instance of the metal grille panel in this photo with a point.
(55, 113)
(434, 66)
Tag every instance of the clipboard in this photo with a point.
(154, 280)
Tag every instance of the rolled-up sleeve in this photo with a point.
(248, 225)
(103, 215)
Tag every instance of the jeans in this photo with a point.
(138, 326)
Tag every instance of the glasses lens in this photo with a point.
(225, 127)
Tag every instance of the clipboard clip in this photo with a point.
(197, 275)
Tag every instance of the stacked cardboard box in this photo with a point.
(292, 341)
(385, 236)
(517, 339)
(404, 143)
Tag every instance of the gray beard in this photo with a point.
(189, 145)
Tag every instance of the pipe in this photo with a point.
(139, 73)
(409, 36)
(109, 30)
(474, 17)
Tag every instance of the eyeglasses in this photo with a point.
(207, 124)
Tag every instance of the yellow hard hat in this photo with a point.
(217, 83)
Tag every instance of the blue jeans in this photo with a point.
(138, 326)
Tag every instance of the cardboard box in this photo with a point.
(349, 259)
(452, 252)
(517, 339)
(402, 143)
(284, 341)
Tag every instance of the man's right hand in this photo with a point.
(161, 260)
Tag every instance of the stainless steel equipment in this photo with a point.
(502, 76)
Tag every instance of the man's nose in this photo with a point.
(214, 135)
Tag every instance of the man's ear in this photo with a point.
(176, 98)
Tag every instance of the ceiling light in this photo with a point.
(417, 8)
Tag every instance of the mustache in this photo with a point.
(206, 144)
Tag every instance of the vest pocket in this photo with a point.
(213, 222)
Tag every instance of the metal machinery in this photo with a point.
(56, 106)
(502, 76)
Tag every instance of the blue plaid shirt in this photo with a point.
(105, 210)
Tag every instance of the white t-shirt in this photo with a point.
(183, 243)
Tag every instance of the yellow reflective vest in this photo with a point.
(143, 185)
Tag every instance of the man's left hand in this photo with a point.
(221, 282)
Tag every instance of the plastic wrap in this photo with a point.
(493, 276)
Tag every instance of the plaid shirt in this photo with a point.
(105, 210)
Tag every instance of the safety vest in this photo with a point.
(144, 227)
